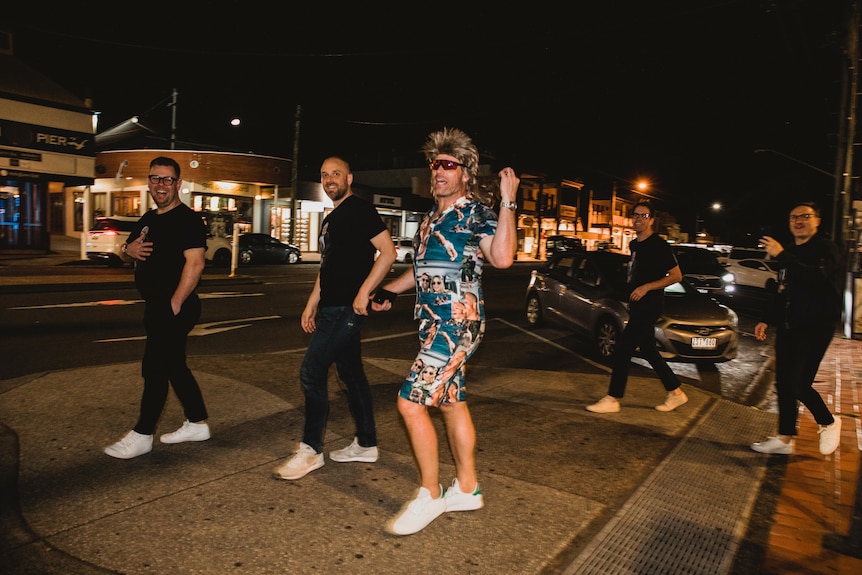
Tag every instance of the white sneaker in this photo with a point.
(773, 445)
(830, 437)
(354, 452)
(418, 513)
(607, 404)
(131, 445)
(188, 432)
(457, 500)
(304, 461)
(672, 401)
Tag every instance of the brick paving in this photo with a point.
(818, 493)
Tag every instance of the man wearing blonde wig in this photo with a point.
(461, 232)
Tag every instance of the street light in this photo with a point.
(715, 207)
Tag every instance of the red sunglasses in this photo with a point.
(445, 164)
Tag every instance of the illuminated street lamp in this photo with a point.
(715, 207)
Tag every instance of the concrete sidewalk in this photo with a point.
(707, 504)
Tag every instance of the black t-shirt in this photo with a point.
(172, 233)
(346, 251)
(651, 260)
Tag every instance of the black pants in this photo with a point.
(639, 332)
(798, 353)
(164, 363)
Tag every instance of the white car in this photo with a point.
(218, 251)
(754, 272)
(404, 249)
(106, 238)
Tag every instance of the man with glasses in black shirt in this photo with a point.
(168, 245)
(652, 268)
(805, 309)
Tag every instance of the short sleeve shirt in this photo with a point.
(651, 260)
(346, 251)
(172, 233)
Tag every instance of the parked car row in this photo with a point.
(587, 293)
(106, 238)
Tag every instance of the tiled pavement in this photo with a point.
(818, 494)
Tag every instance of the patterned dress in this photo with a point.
(449, 302)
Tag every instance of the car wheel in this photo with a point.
(771, 285)
(115, 262)
(408, 259)
(607, 334)
(245, 256)
(292, 258)
(221, 258)
(534, 310)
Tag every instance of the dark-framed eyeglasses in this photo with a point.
(641, 216)
(794, 217)
(167, 180)
(445, 164)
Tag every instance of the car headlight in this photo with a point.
(729, 278)
(733, 318)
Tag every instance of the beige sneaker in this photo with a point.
(304, 461)
(607, 404)
(672, 402)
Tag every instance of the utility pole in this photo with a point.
(294, 177)
(174, 118)
(851, 544)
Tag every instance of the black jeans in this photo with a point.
(336, 339)
(798, 353)
(164, 363)
(639, 332)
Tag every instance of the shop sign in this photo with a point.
(387, 201)
(23, 135)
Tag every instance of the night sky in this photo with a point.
(678, 92)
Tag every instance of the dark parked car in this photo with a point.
(265, 249)
(587, 293)
(702, 269)
(554, 244)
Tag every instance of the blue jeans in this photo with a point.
(336, 339)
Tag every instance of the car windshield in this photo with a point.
(698, 261)
(677, 288)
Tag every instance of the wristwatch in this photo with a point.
(509, 205)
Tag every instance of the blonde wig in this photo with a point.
(454, 142)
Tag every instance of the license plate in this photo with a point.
(703, 343)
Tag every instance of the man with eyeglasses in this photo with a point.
(805, 310)
(168, 245)
(460, 227)
(652, 268)
(334, 314)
